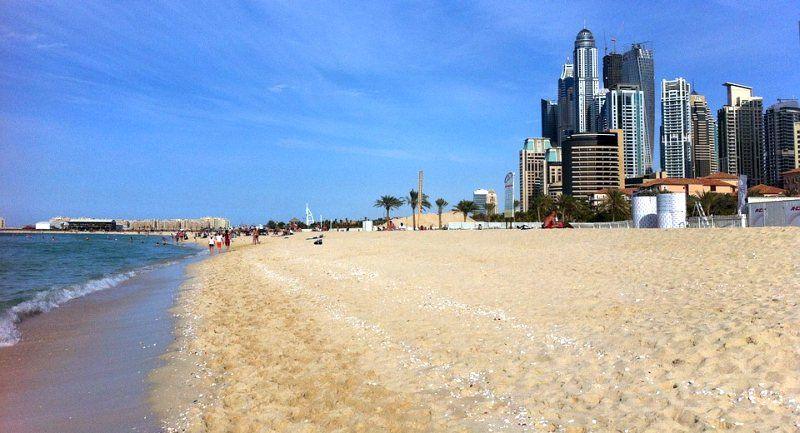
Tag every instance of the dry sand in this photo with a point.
(570, 330)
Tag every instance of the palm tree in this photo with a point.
(413, 200)
(542, 203)
(616, 205)
(490, 207)
(388, 202)
(465, 207)
(708, 200)
(440, 204)
(569, 206)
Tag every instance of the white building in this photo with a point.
(482, 199)
(676, 128)
(43, 225)
(587, 80)
(624, 109)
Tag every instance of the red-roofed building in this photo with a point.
(721, 175)
(695, 186)
(599, 196)
(791, 179)
(765, 191)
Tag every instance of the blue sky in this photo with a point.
(250, 110)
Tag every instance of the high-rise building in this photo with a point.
(566, 100)
(491, 202)
(797, 145)
(612, 70)
(550, 120)
(676, 128)
(586, 79)
(480, 198)
(741, 134)
(554, 170)
(780, 139)
(637, 68)
(624, 109)
(593, 162)
(598, 121)
(704, 137)
(532, 170)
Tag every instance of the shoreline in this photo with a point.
(182, 387)
(572, 331)
(83, 367)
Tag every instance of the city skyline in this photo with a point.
(104, 114)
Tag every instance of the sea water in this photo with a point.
(39, 272)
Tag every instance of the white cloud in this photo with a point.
(278, 88)
(50, 46)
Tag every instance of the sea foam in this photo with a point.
(49, 299)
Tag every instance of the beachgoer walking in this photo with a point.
(255, 236)
(218, 240)
(211, 243)
(227, 240)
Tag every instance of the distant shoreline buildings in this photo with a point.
(144, 225)
(190, 224)
(582, 127)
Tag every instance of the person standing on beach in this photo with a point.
(255, 235)
(218, 240)
(227, 241)
(211, 243)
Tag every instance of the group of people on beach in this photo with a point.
(218, 239)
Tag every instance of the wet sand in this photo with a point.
(564, 330)
(84, 366)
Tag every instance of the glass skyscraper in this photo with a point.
(612, 70)
(550, 120)
(779, 139)
(637, 69)
(566, 100)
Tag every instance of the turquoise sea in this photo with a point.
(39, 272)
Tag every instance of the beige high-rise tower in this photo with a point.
(704, 137)
(532, 170)
(741, 134)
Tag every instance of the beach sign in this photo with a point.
(509, 198)
(742, 193)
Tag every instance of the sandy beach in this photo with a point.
(571, 330)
